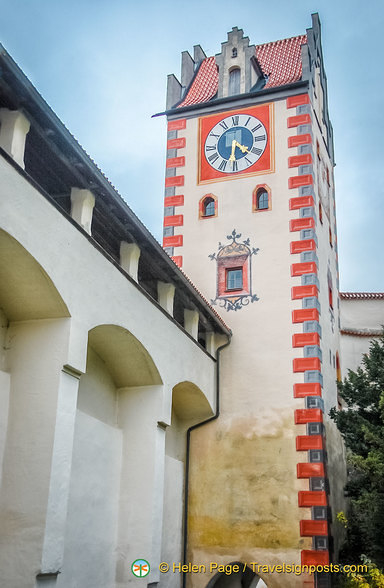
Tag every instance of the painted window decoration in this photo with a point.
(208, 206)
(233, 273)
(261, 198)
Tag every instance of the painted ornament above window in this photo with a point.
(234, 273)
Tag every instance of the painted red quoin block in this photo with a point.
(176, 143)
(297, 140)
(175, 162)
(311, 557)
(307, 442)
(298, 292)
(177, 200)
(298, 224)
(298, 181)
(304, 245)
(173, 241)
(310, 470)
(299, 119)
(310, 528)
(178, 259)
(296, 160)
(174, 181)
(306, 389)
(305, 314)
(301, 339)
(312, 498)
(300, 201)
(298, 100)
(308, 415)
(302, 364)
(298, 269)
(176, 220)
(177, 125)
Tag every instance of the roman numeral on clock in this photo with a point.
(256, 151)
(235, 121)
(223, 165)
(247, 121)
(210, 147)
(247, 160)
(212, 158)
(260, 138)
(234, 166)
(256, 128)
(223, 124)
(213, 135)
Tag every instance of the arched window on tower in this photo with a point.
(234, 82)
(208, 206)
(261, 198)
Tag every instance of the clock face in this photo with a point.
(235, 143)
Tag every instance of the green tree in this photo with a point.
(361, 423)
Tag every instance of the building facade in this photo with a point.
(250, 216)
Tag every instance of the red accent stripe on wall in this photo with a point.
(175, 162)
(312, 557)
(299, 119)
(297, 160)
(173, 241)
(312, 498)
(176, 143)
(310, 528)
(306, 389)
(308, 415)
(310, 470)
(298, 292)
(177, 200)
(293, 101)
(300, 201)
(176, 220)
(305, 245)
(301, 364)
(177, 125)
(174, 181)
(298, 269)
(178, 259)
(297, 224)
(298, 181)
(297, 140)
(307, 442)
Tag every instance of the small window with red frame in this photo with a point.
(234, 279)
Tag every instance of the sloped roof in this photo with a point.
(204, 86)
(280, 61)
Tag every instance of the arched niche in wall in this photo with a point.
(26, 290)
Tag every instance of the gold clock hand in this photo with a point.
(242, 148)
(232, 156)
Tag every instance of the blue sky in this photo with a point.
(103, 66)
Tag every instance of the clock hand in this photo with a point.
(232, 156)
(242, 148)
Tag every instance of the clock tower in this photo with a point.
(250, 218)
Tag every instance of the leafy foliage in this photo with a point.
(361, 424)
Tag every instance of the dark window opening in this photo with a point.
(234, 52)
(234, 82)
(262, 200)
(209, 207)
(234, 279)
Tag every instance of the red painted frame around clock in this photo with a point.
(265, 164)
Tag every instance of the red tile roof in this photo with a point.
(362, 295)
(361, 332)
(280, 61)
(205, 84)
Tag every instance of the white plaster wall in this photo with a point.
(111, 425)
